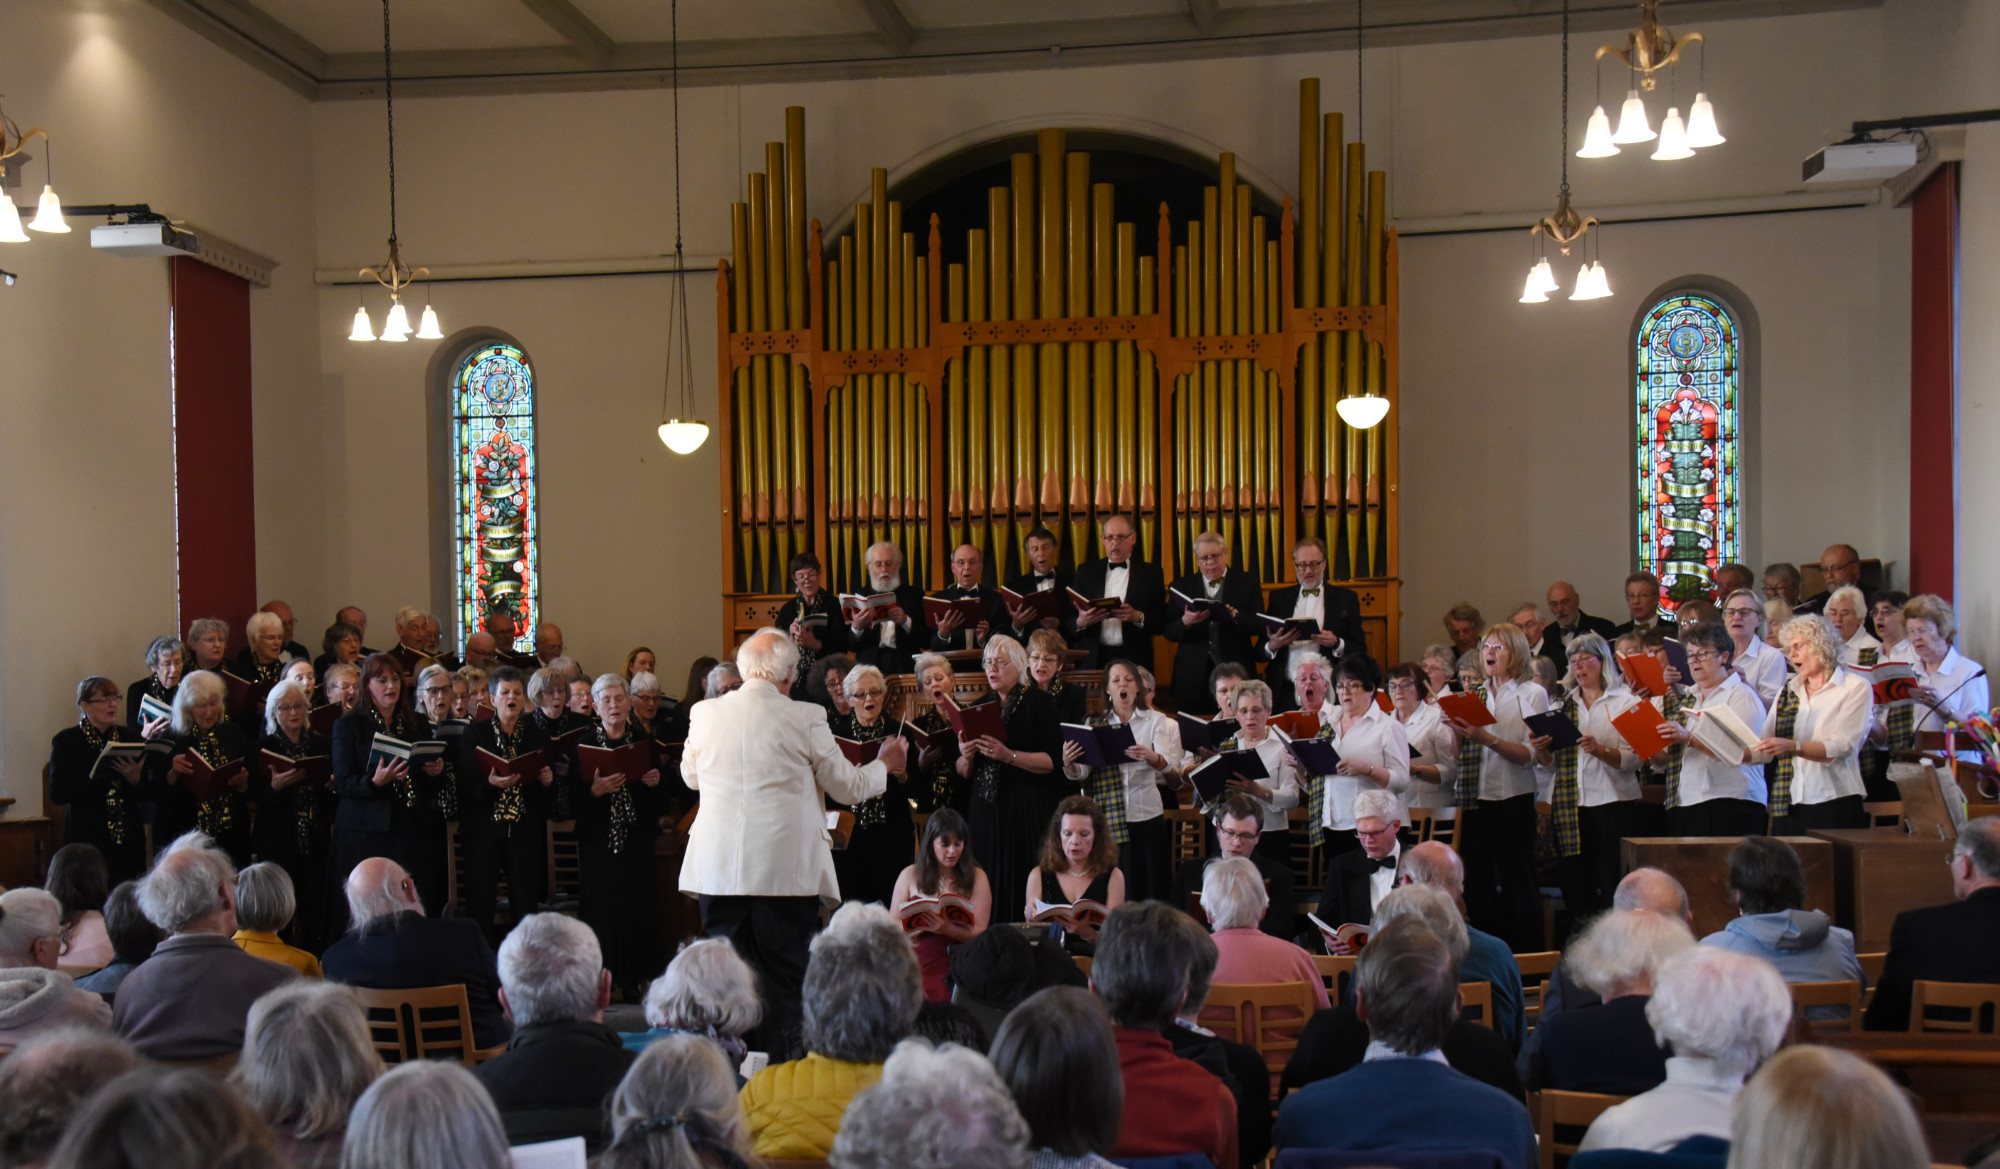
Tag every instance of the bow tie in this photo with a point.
(1309, 592)
(1383, 862)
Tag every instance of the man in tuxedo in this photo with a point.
(548, 643)
(482, 651)
(1569, 623)
(1337, 610)
(291, 623)
(889, 639)
(1238, 826)
(1839, 565)
(1127, 630)
(1208, 638)
(968, 565)
(1356, 882)
(1959, 942)
(1043, 576)
(394, 946)
(1642, 601)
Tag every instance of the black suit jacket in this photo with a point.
(1029, 582)
(1219, 639)
(407, 949)
(554, 1080)
(1145, 590)
(1552, 638)
(363, 806)
(1608, 1048)
(1244, 1073)
(1342, 615)
(1280, 920)
(989, 603)
(1959, 942)
(901, 658)
(1345, 898)
(1666, 626)
(1814, 604)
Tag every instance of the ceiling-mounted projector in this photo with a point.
(144, 239)
(1860, 162)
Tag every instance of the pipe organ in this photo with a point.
(1058, 376)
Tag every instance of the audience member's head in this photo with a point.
(863, 987)
(1434, 907)
(1406, 988)
(1233, 894)
(1716, 1004)
(423, 1114)
(378, 889)
(1140, 969)
(1435, 864)
(161, 1118)
(307, 1057)
(78, 879)
(1057, 1057)
(45, 1081)
(133, 936)
(1975, 858)
(708, 989)
(941, 1108)
(1815, 1107)
(1622, 950)
(1203, 959)
(1650, 888)
(552, 971)
(677, 1108)
(265, 900)
(1239, 823)
(30, 929)
(192, 888)
(1765, 876)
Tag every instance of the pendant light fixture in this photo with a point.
(1673, 138)
(1597, 140)
(681, 429)
(48, 211)
(12, 141)
(1702, 132)
(1369, 409)
(1648, 49)
(392, 274)
(1566, 226)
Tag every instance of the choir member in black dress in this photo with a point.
(385, 810)
(437, 701)
(1047, 657)
(200, 729)
(953, 631)
(294, 827)
(300, 670)
(883, 841)
(1043, 575)
(165, 659)
(1079, 862)
(547, 694)
(103, 805)
(617, 819)
(822, 685)
(937, 782)
(207, 642)
(263, 656)
(1015, 785)
(812, 616)
(505, 818)
(664, 720)
(342, 643)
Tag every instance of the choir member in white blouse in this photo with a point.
(1374, 752)
(1951, 686)
(1848, 610)
(1889, 626)
(1145, 854)
(1716, 796)
(1500, 827)
(1606, 791)
(1279, 792)
(1433, 746)
(1813, 735)
(1440, 665)
(1761, 667)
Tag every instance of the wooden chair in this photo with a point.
(565, 884)
(424, 1022)
(1267, 1016)
(1307, 862)
(1190, 842)
(1884, 814)
(1336, 970)
(1807, 995)
(1979, 1000)
(1083, 964)
(1478, 1006)
(1871, 966)
(1439, 824)
(1573, 1111)
(1537, 970)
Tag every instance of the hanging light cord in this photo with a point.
(677, 296)
(389, 94)
(1564, 152)
(674, 31)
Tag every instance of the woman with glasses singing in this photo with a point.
(1281, 790)
(812, 616)
(1814, 733)
(1751, 657)
(1594, 795)
(1374, 751)
(1433, 746)
(1499, 800)
(1710, 795)
(879, 847)
(103, 800)
(294, 827)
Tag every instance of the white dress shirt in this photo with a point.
(1598, 782)
(1283, 781)
(1155, 732)
(1837, 718)
(1117, 578)
(1850, 653)
(1437, 746)
(1703, 776)
(1959, 694)
(1381, 881)
(1763, 668)
(1378, 740)
(1511, 702)
(1902, 651)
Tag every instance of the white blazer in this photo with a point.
(761, 762)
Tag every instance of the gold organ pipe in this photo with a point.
(1372, 380)
(1275, 433)
(1187, 388)
(1333, 214)
(878, 337)
(1049, 223)
(796, 227)
(892, 384)
(1076, 303)
(1260, 487)
(866, 420)
(836, 443)
(1356, 250)
(842, 513)
(1149, 437)
(975, 453)
(955, 446)
(1246, 371)
(1023, 277)
(1211, 471)
(1103, 271)
(914, 443)
(739, 243)
(1222, 227)
(1126, 373)
(760, 378)
(776, 266)
(999, 307)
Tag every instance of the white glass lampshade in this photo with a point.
(1531, 292)
(10, 222)
(1363, 412)
(1632, 124)
(683, 436)
(1544, 276)
(396, 326)
(48, 213)
(364, 330)
(428, 329)
(1597, 138)
(1701, 129)
(1673, 138)
(1591, 284)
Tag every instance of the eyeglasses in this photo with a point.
(1742, 611)
(1304, 564)
(1701, 655)
(1349, 688)
(861, 694)
(1247, 837)
(1833, 568)
(1491, 645)
(1376, 833)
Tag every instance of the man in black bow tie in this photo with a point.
(1042, 576)
(1356, 882)
(1337, 610)
(952, 630)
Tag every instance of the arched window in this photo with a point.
(1689, 443)
(497, 541)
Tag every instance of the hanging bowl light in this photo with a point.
(392, 273)
(1363, 412)
(682, 430)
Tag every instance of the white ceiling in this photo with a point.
(332, 49)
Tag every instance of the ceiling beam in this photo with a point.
(891, 23)
(1202, 13)
(576, 28)
(255, 37)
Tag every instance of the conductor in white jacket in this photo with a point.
(759, 856)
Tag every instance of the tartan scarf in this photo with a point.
(1106, 785)
(511, 802)
(1778, 772)
(114, 796)
(873, 812)
(1674, 708)
(624, 813)
(1564, 799)
(986, 777)
(1315, 797)
(1469, 754)
(217, 814)
(1867, 656)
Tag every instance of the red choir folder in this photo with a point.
(1641, 728)
(631, 761)
(970, 722)
(527, 766)
(1043, 603)
(205, 783)
(1646, 673)
(321, 718)
(936, 609)
(318, 768)
(1469, 709)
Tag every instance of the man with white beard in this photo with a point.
(889, 639)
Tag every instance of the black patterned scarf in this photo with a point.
(624, 812)
(114, 793)
(986, 776)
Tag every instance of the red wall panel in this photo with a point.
(216, 507)
(1933, 382)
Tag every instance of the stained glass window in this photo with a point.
(493, 479)
(1688, 446)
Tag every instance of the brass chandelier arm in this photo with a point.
(1650, 47)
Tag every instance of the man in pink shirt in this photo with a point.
(1233, 896)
